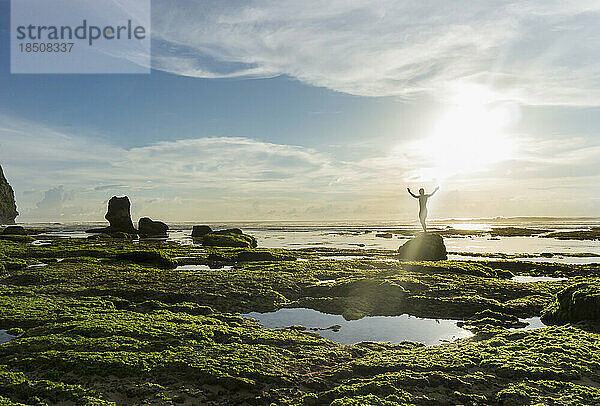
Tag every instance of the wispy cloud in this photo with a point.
(538, 52)
(60, 175)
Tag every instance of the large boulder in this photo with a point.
(424, 247)
(200, 231)
(119, 217)
(8, 207)
(575, 303)
(150, 228)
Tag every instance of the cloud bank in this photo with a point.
(58, 176)
(535, 52)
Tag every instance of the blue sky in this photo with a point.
(320, 110)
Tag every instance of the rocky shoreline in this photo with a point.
(118, 321)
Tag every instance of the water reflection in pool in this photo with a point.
(534, 323)
(5, 337)
(528, 279)
(202, 268)
(394, 329)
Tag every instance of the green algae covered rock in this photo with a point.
(262, 256)
(148, 257)
(496, 319)
(355, 298)
(576, 303)
(16, 238)
(424, 247)
(235, 240)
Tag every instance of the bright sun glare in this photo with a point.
(470, 136)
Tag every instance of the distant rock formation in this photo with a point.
(424, 247)
(8, 207)
(119, 217)
(150, 228)
(200, 231)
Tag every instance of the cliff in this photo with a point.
(8, 207)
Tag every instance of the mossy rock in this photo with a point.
(573, 304)
(356, 298)
(262, 256)
(14, 264)
(148, 257)
(424, 247)
(496, 319)
(16, 238)
(229, 240)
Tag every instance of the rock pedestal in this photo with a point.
(424, 247)
(150, 228)
(8, 207)
(119, 217)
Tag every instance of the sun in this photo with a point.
(470, 136)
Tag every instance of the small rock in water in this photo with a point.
(424, 247)
(200, 231)
(150, 228)
(384, 235)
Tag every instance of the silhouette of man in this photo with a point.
(422, 204)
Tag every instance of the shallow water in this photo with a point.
(394, 329)
(529, 279)
(41, 242)
(345, 257)
(36, 265)
(534, 323)
(564, 260)
(326, 281)
(5, 337)
(556, 259)
(202, 268)
(357, 235)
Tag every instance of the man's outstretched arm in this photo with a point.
(435, 190)
(411, 193)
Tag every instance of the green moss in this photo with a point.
(16, 238)
(229, 240)
(110, 325)
(579, 302)
(151, 257)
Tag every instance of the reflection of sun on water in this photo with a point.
(469, 137)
